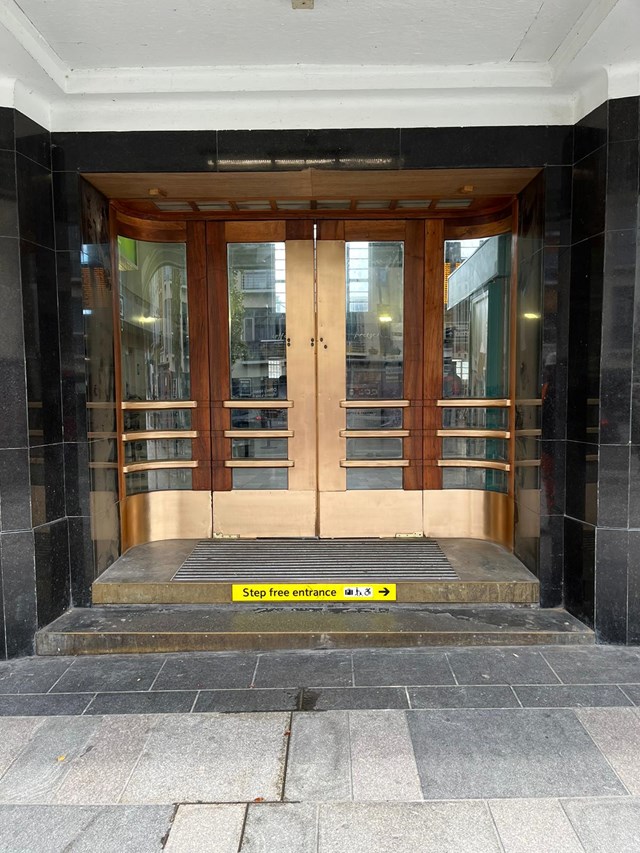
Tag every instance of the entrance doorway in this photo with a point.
(322, 413)
(306, 375)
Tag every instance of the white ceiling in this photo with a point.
(207, 64)
(169, 33)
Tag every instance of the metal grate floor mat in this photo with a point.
(291, 560)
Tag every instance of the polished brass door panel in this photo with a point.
(301, 364)
(331, 347)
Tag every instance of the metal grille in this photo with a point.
(291, 560)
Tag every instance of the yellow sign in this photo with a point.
(256, 592)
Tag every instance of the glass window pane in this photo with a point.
(374, 478)
(259, 448)
(375, 284)
(259, 418)
(474, 478)
(158, 481)
(164, 450)
(476, 319)
(475, 418)
(374, 418)
(475, 448)
(154, 320)
(260, 478)
(257, 320)
(162, 419)
(374, 448)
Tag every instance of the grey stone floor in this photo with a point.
(512, 750)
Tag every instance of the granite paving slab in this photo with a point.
(617, 734)
(243, 701)
(206, 829)
(15, 735)
(595, 665)
(66, 829)
(32, 675)
(467, 754)
(319, 764)
(571, 696)
(353, 698)
(112, 672)
(500, 666)
(381, 667)
(493, 696)
(212, 758)
(606, 826)
(99, 774)
(198, 671)
(304, 669)
(47, 705)
(534, 826)
(383, 766)
(406, 828)
(160, 702)
(41, 767)
(281, 827)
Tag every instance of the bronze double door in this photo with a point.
(325, 363)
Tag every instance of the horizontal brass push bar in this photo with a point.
(374, 433)
(473, 433)
(151, 405)
(258, 463)
(474, 463)
(258, 433)
(459, 403)
(374, 463)
(523, 433)
(374, 404)
(529, 402)
(158, 466)
(157, 434)
(257, 404)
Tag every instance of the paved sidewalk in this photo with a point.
(514, 750)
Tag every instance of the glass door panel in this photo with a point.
(361, 383)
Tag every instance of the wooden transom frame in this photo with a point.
(313, 193)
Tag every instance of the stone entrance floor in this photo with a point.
(481, 749)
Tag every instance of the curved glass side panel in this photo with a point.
(158, 481)
(476, 318)
(154, 320)
(486, 479)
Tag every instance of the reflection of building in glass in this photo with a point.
(257, 307)
(374, 321)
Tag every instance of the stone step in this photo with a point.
(484, 573)
(139, 629)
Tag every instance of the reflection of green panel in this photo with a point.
(127, 254)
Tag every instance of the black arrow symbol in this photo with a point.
(385, 591)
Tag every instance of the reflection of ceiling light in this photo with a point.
(385, 318)
(145, 320)
(531, 316)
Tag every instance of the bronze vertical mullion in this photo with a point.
(219, 368)
(199, 351)
(433, 336)
(413, 352)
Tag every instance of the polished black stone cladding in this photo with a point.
(34, 549)
(603, 441)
